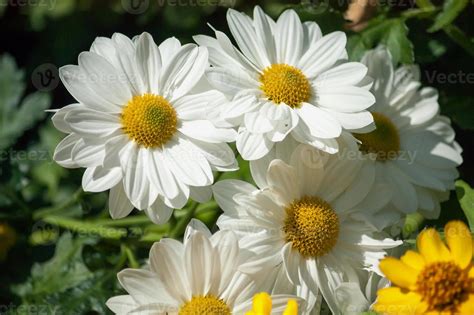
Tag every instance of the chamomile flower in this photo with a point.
(287, 79)
(415, 154)
(302, 222)
(439, 279)
(199, 276)
(141, 127)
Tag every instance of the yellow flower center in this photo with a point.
(282, 83)
(383, 141)
(204, 305)
(150, 120)
(444, 286)
(312, 226)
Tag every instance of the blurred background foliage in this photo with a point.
(59, 251)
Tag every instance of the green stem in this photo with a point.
(84, 227)
(133, 220)
(419, 13)
(460, 38)
(131, 257)
(455, 33)
(183, 222)
(412, 224)
(40, 213)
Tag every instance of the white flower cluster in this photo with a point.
(340, 152)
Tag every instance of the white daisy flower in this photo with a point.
(414, 152)
(287, 79)
(200, 276)
(141, 125)
(302, 223)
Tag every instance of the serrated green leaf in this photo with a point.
(465, 195)
(66, 283)
(451, 10)
(392, 33)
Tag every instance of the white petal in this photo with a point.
(144, 286)
(160, 175)
(359, 122)
(63, 152)
(149, 62)
(346, 99)
(225, 190)
(59, 118)
(230, 80)
(88, 153)
(242, 29)
(91, 123)
(128, 63)
(77, 83)
(136, 182)
(196, 106)
(97, 179)
(320, 123)
(253, 146)
(168, 49)
(263, 29)
(184, 71)
(205, 131)
(289, 38)
(312, 33)
(119, 205)
(166, 259)
(323, 54)
(200, 264)
(158, 212)
(256, 123)
(349, 73)
(291, 262)
(282, 178)
(105, 79)
(200, 194)
(186, 164)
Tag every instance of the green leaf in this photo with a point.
(65, 282)
(392, 33)
(460, 108)
(465, 196)
(451, 10)
(14, 119)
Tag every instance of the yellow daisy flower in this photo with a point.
(437, 280)
(262, 305)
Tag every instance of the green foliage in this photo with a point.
(36, 192)
(451, 9)
(465, 196)
(460, 109)
(54, 9)
(16, 119)
(65, 282)
(392, 33)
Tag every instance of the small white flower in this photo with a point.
(301, 221)
(287, 79)
(415, 154)
(141, 125)
(200, 276)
